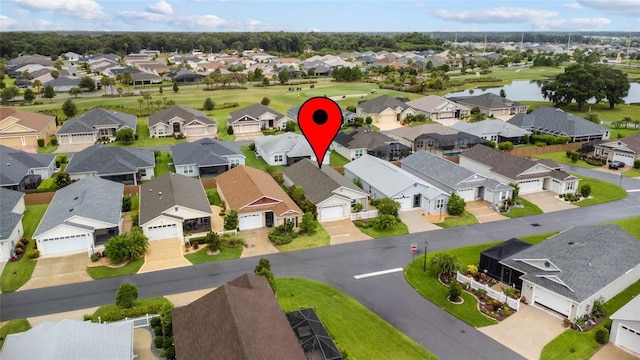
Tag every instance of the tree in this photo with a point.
(49, 93)
(125, 135)
(265, 101)
(308, 224)
(368, 120)
(127, 78)
(62, 179)
(615, 85)
(87, 83)
(55, 75)
(69, 108)
(263, 264)
(454, 291)
(384, 221)
(29, 96)
(138, 242)
(626, 120)
(456, 205)
(593, 117)
(175, 87)
(208, 105)
(290, 126)
(503, 94)
(231, 221)
(283, 76)
(387, 206)
(36, 84)
(126, 296)
(213, 241)
(446, 264)
(229, 130)
(75, 91)
(579, 82)
(8, 94)
(585, 190)
(127, 246)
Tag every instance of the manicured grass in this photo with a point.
(319, 238)
(572, 344)
(144, 139)
(618, 132)
(452, 221)
(13, 327)
(561, 158)
(528, 209)
(632, 225)
(258, 163)
(135, 202)
(337, 159)
(400, 229)
(214, 197)
(631, 172)
(47, 149)
(148, 302)
(17, 273)
(200, 256)
(355, 329)
(162, 163)
(47, 185)
(534, 239)
(601, 191)
(101, 272)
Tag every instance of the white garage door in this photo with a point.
(162, 232)
(628, 338)
(195, 130)
(626, 159)
(250, 221)
(467, 194)
(552, 301)
(529, 186)
(66, 244)
(331, 212)
(404, 203)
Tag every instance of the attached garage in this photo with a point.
(530, 186)
(331, 212)
(405, 203)
(627, 159)
(628, 337)
(194, 130)
(64, 244)
(552, 301)
(244, 128)
(467, 194)
(625, 329)
(165, 231)
(250, 221)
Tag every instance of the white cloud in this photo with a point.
(573, 5)
(418, 5)
(497, 15)
(7, 23)
(201, 21)
(576, 24)
(83, 9)
(618, 7)
(144, 16)
(161, 7)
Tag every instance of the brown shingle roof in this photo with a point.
(35, 121)
(244, 185)
(239, 320)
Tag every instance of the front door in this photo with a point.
(506, 275)
(416, 200)
(176, 128)
(481, 192)
(268, 216)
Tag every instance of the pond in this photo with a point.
(529, 90)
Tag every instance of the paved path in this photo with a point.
(483, 212)
(416, 222)
(547, 201)
(343, 231)
(163, 254)
(257, 243)
(60, 270)
(610, 352)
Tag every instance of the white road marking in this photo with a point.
(383, 272)
(635, 190)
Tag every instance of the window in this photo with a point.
(358, 153)
(571, 185)
(188, 169)
(160, 131)
(143, 172)
(291, 221)
(103, 132)
(503, 195)
(278, 158)
(439, 203)
(234, 162)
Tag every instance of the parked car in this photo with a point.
(616, 165)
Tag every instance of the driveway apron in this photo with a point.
(162, 255)
(483, 212)
(344, 231)
(547, 201)
(257, 243)
(59, 270)
(415, 221)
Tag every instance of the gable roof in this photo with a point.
(106, 160)
(293, 113)
(318, 184)
(491, 126)
(91, 198)
(629, 312)
(204, 152)
(556, 121)
(31, 120)
(185, 113)
(71, 339)
(88, 122)
(242, 320)
(436, 104)
(506, 249)
(411, 133)
(243, 185)
(586, 258)
(629, 144)
(9, 219)
(292, 144)
(16, 164)
(253, 111)
(487, 101)
(363, 138)
(377, 105)
(169, 190)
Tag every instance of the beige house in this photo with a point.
(21, 129)
(182, 120)
(385, 110)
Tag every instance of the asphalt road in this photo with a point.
(387, 295)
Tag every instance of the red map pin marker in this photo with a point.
(320, 119)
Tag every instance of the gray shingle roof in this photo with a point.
(254, 111)
(15, 164)
(488, 101)
(363, 138)
(91, 198)
(292, 144)
(589, 258)
(491, 126)
(377, 105)
(293, 113)
(204, 152)
(8, 219)
(552, 120)
(318, 184)
(436, 104)
(411, 133)
(105, 160)
(175, 189)
(188, 115)
(87, 122)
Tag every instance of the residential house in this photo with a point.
(435, 138)
(184, 76)
(493, 130)
(182, 120)
(255, 118)
(553, 121)
(361, 141)
(71, 56)
(20, 61)
(257, 197)
(24, 171)
(81, 217)
(490, 261)
(451, 177)
(71, 339)
(492, 105)
(626, 150)
(285, 149)
(12, 208)
(569, 271)
(63, 83)
(348, 117)
(21, 129)
(384, 110)
(333, 194)
(143, 78)
(242, 320)
(173, 204)
(438, 108)
(205, 157)
(95, 124)
(531, 176)
(625, 329)
(123, 165)
(381, 179)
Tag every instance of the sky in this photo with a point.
(319, 15)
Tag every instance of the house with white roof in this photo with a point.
(285, 149)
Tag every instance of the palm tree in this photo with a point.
(36, 84)
(55, 75)
(120, 94)
(446, 264)
(140, 101)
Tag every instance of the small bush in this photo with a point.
(95, 256)
(40, 142)
(505, 311)
(454, 291)
(481, 293)
(126, 295)
(472, 269)
(506, 145)
(156, 321)
(232, 241)
(87, 317)
(636, 164)
(598, 309)
(585, 190)
(602, 336)
(566, 322)
(159, 341)
(53, 141)
(33, 254)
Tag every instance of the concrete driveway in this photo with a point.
(527, 331)
(610, 351)
(257, 243)
(71, 148)
(483, 212)
(343, 231)
(415, 221)
(547, 201)
(59, 270)
(163, 254)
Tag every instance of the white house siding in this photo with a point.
(619, 284)
(387, 116)
(64, 233)
(251, 221)
(88, 138)
(7, 245)
(530, 185)
(341, 150)
(628, 338)
(467, 194)
(188, 170)
(358, 196)
(150, 228)
(328, 209)
(149, 174)
(244, 128)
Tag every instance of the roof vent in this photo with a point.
(571, 243)
(8, 164)
(70, 210)
(589, 264)
(150, 190)
(160, 193)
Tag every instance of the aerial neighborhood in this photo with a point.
(515, 215)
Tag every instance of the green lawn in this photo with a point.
(632, 225)
(101, 272)
(355, 329)
(162, 164)
(601, 109)
(258, 163)
(48, 149)
(135, 202)
(618, 132)
(319, 238)
(400, 229)
(631, 172)
(17, 273)
(561, 158)
(466, 219)
(601, 191)
(528, 209)
(141, 304)
(144, 140)
(337, 160)
(13, 327)
(200, 256)
(213, 196)
(534, 239)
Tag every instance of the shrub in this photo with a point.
(265, 101)
(540, 143)
(231, 221)
(126, 296)
(585, 190)
(159, 340)
(126, 203)
(40, 142)
(357, 207)
(506, 145)
(602, 336)
(598, 309)
(445, 263)
(374, 202)
(232, 241)
(383, 222)
(87, 317)
(454, 291)
(472, 269)
(95, 256)
(229, 130)
(387, 206)
(53, 141)
(481, 293)
(214, 242)
(263, 264)
(308, 224)
(33, 254)
(636, 164)
(282, 234)
(566, 322)
(505, 311)
(155, 321)
(456, 205)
